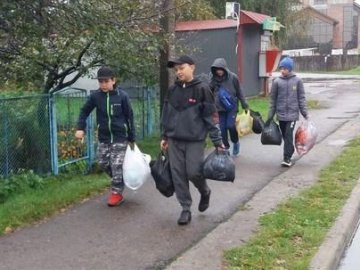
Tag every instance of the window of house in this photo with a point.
(321, 32)
(350, 28)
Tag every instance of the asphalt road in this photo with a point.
(142, 233)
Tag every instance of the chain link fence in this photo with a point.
(37, 132)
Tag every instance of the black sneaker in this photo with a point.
(185, 217)
(286, 162)
(204, 202)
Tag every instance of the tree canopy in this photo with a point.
(62, 39)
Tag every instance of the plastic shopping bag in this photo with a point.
(160, 171)
(258, 122)
(305, 137)
(136, 168)
(219, 166)
(271, 133)
(244, 123)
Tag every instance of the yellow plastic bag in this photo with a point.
(244, 123)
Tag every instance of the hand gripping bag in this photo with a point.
(271, 133)
(136, 168)
(160, 171)
(244, 123)
(218, 165)
(258, 122)
(305, 137)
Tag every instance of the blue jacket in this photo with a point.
(114, 116)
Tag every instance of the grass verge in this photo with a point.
(289, 236)
(31, 205)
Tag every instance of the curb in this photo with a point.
(337, 239)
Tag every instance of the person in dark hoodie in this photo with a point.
(287, 98)
(224, 80)
(116, 129)
(188, 115)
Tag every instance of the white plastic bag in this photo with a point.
(136, 168)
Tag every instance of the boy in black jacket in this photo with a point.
(116, 129)
(189, 114)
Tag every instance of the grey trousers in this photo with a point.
(111, 159)
(186, 159)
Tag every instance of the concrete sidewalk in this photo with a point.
(242, 225)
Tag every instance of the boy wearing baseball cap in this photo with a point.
(188, 115)
(116, 128)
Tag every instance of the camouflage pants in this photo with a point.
(111, 158)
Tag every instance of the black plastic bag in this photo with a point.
(271, 133)
(219, 166)
(160, 171)
(258, 122)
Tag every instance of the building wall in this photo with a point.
(250, 60)
(206, 45)
(336, 9)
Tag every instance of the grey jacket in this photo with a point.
(287, 98)
(229, 81)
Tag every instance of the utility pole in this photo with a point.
(167, 30)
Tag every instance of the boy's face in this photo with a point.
(184, 72)
(284, 71)
(106, 84)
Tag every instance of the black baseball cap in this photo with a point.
(105, 73)
(184, 59)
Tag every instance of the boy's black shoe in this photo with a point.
(185, 217)
(204, 202)
(287, 162)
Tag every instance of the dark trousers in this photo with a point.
(287, 130)
(227, 123)
(186, 160)
(111, 159)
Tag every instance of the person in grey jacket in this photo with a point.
(224, 80)
(188, 115)
(287, 99)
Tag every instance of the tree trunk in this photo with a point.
(167, 25)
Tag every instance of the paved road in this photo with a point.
(142, 233)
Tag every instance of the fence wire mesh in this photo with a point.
(37, 132)
(25, 135)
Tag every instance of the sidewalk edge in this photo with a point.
(338, 237)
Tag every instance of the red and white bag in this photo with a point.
(305, 137)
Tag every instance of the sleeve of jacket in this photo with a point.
(302, 99)
(240, 93)
(211, 117)
(85, 112)
(129, 118)
(273, 97)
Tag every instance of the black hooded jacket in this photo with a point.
(229, 81)
(189, 113)
(114, 116)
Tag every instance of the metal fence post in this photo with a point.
(6, 141)
(53, 136)
(149, 112)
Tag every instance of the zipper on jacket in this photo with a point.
(109, 115)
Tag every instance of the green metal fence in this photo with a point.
(37, 132)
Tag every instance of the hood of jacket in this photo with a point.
(219, 63)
